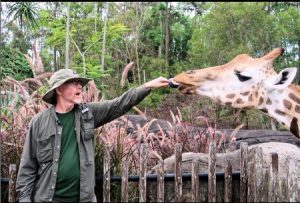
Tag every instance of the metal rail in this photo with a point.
(153, 177)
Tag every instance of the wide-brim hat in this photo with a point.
(59, 78)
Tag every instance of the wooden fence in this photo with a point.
(256, 183)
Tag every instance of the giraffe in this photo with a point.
(247, 82)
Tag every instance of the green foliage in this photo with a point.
(152, 66)
(237, 28)
(23, 11)
(180, 66)
(14, 64)
(57, 36)
(20, 40)
(46, 58)
(181, 33)
(94, 72)
(152, 100)
(288, 31)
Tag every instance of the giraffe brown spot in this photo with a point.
(228, 103)
(294, 127)
(269, 102)
(245, 93)
(261, 100)
(239, 101)
(230, 96)
(294, 98)
(297, 109)
(250, 97)
(264, 110)
(210, 77)
(287, 104)
(279, 112)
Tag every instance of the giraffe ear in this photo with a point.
(282, 79)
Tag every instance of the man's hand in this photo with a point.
(156, 83)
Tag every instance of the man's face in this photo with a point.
(70, 92)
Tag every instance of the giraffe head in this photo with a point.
(244, 82)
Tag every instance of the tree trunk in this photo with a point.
(55, 68)
(96, 15)
(162, 39)
(167, 37)
(298, 72)
(0, 23)
(67, 54)
(137, 56)
(137, 36)
(105, 11)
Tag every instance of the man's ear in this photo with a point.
(282, 79)
(58, 91)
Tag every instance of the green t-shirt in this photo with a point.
(68, 175)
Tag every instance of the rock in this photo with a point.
(285, 152)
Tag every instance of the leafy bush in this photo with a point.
(13, 63)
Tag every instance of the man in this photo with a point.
(57, 162)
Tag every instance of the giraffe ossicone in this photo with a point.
(247, 82)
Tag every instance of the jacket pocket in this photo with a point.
(88, 126)
(45, 149)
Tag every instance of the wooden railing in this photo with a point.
(257, 183)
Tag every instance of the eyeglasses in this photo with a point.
(74, 82)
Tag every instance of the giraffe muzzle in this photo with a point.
(187, 89)
(173, 84)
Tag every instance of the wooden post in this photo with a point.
(251, 182)
(258, 160)
(124, 184)
(106, 174)
(284, 190)
(195, 181)
(273, 183)
(292, 181)
(143, 166)
(266, 181)
(12, 183)
(212, 173)
(178, 173)
(243, 173)
(160, 182)
(228, 181)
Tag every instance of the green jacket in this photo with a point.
(37, 173)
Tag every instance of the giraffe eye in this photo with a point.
(241, 77)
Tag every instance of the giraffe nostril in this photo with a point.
(190, 72)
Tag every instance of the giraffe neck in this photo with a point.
(284, 106)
